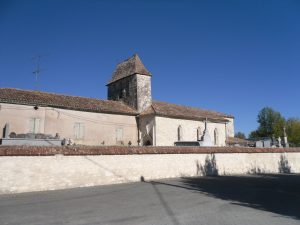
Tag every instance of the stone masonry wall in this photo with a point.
(129, 84)
(134, 150)
(137, 91)
(71, 167)
(144, 97)
(230, 127)
(167, 130)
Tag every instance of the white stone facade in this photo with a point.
(165, 130)
(230, 127)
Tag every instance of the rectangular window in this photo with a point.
(119, 135)
(78, 130)
(34, 125)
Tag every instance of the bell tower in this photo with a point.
(131, 83)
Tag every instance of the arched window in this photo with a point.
(216, 137)
(199, 133)
(179, 133)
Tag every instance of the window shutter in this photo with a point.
(36, 125)
(31, 125)
(76, 130)
(119, 134)
(81, 131)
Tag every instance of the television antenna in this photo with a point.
(38, 70)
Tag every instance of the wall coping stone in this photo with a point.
(134, 150)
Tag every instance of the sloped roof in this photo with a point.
(26, 97)
(184, 112)
(129, 67)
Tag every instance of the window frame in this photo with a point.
(34, 125)
(79, 130)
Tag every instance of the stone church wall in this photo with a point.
(134, 90)
(230, 127)
(144, 98)
(167, 130)
(97, 128)
(147, 129)
(116, 91)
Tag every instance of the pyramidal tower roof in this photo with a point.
(129, 67)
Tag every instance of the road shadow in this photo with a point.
(165, 205)
(269, 192)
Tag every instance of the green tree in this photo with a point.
(254, 134)
(240, 135)
(270, 122)
(293, 131)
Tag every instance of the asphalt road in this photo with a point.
(269, 199)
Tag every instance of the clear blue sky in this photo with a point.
(231, 56)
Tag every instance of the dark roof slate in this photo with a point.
(184, 112)
(129, 67)
(26, 97)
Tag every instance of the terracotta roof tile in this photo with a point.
(178, 111)
(26, 97)
(129, 67)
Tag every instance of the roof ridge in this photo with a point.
(196, 108)
(57, 94)
(127, 59)
(192, 107)
(128, 67)
(30, 97)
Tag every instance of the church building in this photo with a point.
(129, 116)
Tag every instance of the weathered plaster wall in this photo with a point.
(18, 117)
(167, 130)
(98, 127)
(38, 173)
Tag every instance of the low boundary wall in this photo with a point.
(26, 169)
